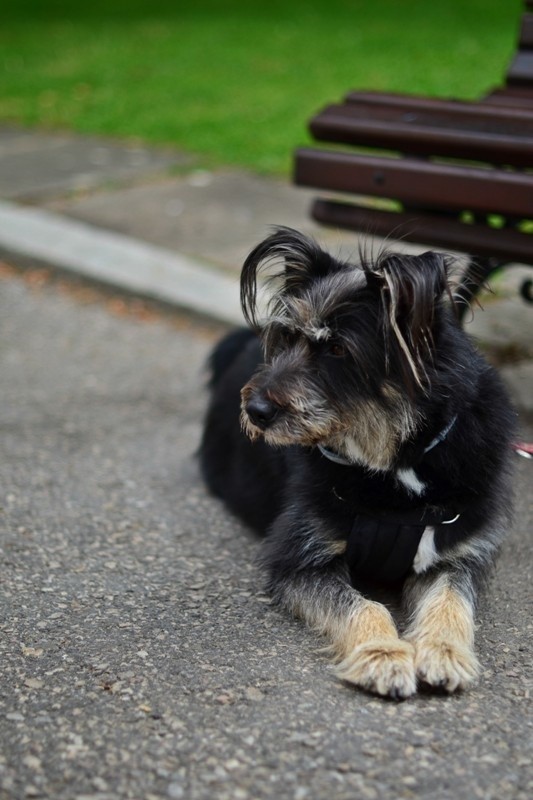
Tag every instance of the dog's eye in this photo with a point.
(336, 350)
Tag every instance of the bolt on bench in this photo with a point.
(455, 174)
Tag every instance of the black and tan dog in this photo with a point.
(360, 430)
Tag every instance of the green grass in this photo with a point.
(235, 81)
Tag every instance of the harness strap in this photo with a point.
(380, 550)
(382, 545)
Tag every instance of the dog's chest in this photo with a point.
(384, 519)
(386, 491)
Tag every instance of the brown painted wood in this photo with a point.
(477, 239)
(430, 132)
(417, 182)
(457, 108)
(510, 98)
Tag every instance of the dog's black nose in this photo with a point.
(262, 411)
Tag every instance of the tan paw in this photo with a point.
(446, 664)
(382, 666)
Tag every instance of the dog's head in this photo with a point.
(348, 348)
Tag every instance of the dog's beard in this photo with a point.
(376, 434)
(368, 432)
(292, 429)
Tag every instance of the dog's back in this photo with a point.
(227, 351)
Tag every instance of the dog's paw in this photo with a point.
(446, 664)
(382, 666)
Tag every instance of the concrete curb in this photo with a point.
(52, 240)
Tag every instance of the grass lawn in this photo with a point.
(232, 80)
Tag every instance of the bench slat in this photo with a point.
(456, 107)
(415, 182)
(510, 98)
(506, 244)
(428, 132)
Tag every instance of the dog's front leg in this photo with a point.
(362, 634)
(441, 627)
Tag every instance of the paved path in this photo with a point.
(139, 658)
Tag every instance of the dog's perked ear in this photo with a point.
(415, 283)
(301, 259)
(411, 289)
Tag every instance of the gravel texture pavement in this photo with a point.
(140, 658)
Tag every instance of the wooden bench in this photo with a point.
(454, 174)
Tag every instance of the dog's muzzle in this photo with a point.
(261, 411)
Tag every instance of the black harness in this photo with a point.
(382, 544)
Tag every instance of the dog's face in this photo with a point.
(348, 348)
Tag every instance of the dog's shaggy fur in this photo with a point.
(360, 430)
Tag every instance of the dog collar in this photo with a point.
(338, 459)
(440, 437)
(335, 457)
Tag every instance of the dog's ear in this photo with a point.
(414, 284)
(411, 288)
(301, 261)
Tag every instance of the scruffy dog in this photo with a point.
(360, 430)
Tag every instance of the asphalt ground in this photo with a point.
(140, 657)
